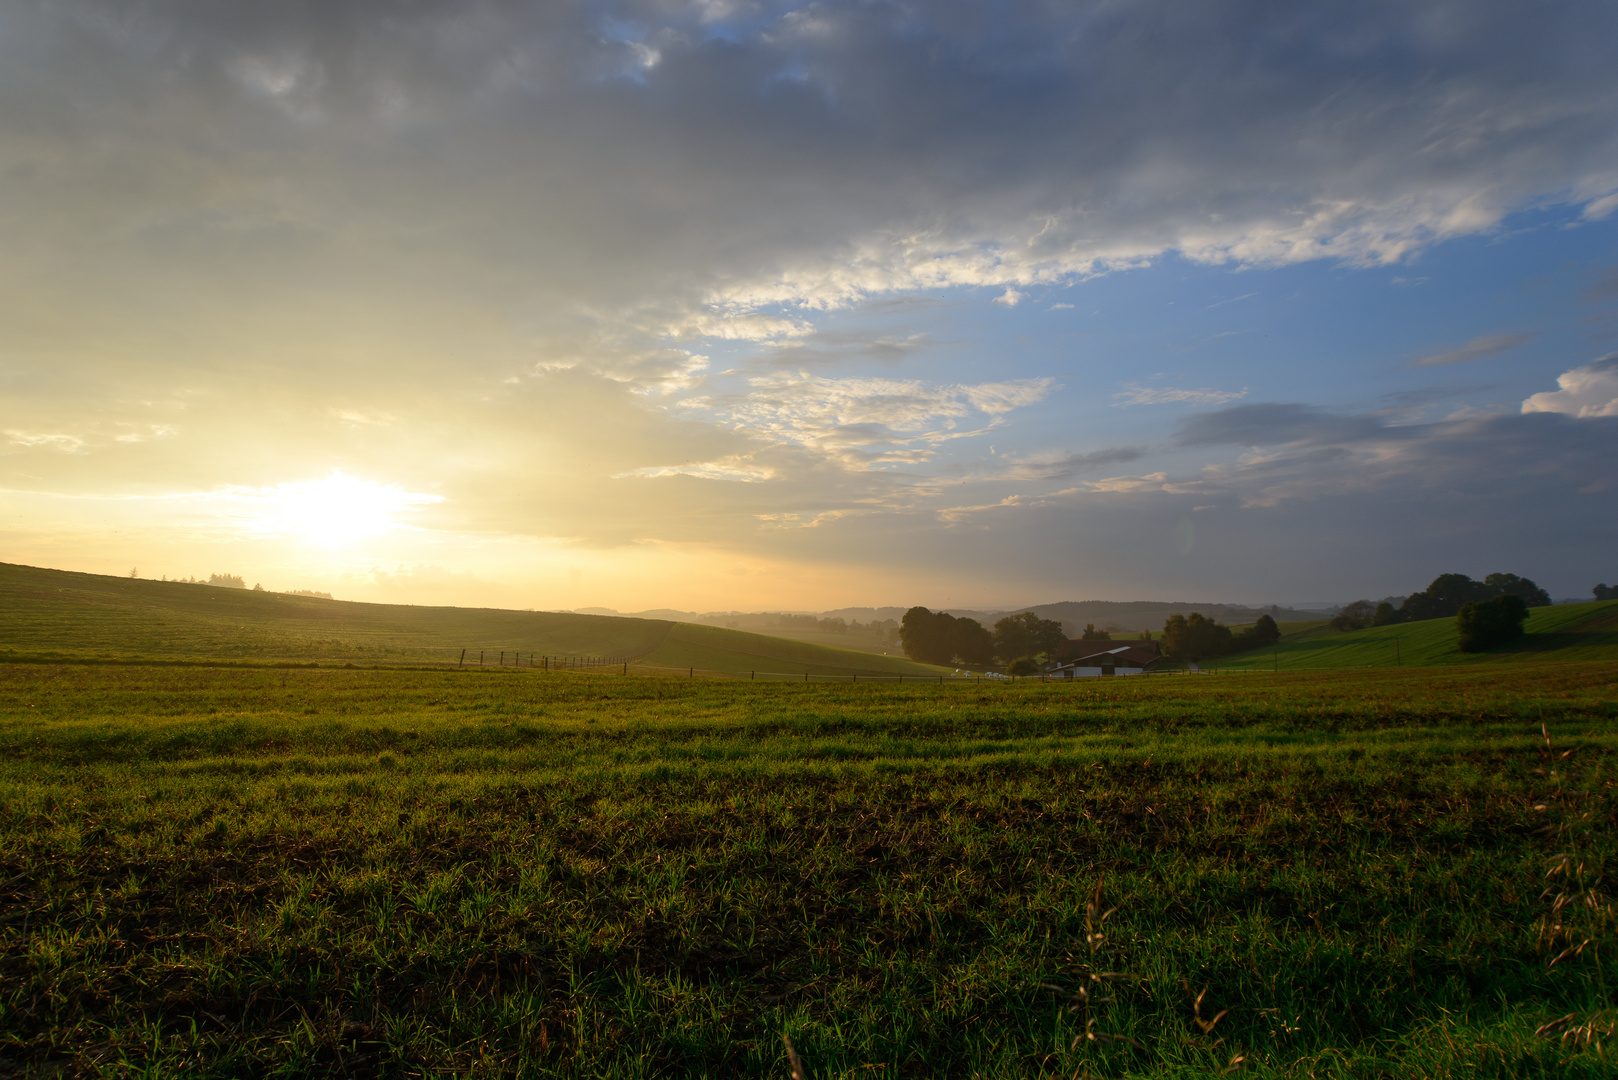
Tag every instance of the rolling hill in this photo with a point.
(61, 614)
(1561, 632)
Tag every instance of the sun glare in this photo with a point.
(339, 510)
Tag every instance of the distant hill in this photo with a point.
(56, 613)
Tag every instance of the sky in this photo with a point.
(723, 305)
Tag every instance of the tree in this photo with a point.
(1092, 634)
(937, 637)
(972, 643)
(1261, 635)
(1355, 616)
(1027, 634)
(1449, 592)
(1512, 585)
(1385, 615)
(1602, 592)
(1195, 636)
(1491, 622)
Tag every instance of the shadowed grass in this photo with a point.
(210, 872)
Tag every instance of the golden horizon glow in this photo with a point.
(334, 513)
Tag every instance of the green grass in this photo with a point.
(737, 652)
(55, 613)
(220, 872)
(1565, 632)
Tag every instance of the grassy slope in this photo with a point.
(1563, 632)
(714, 648)
(58, 613)
(221, 873)
(865, 643)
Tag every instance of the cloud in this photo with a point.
(1586, 391)
(1060, 468)
(1146, 395)
(1476, 349)
(1271, 424)
(52, 441)
(867, 422)
(734, 468)
(699, 174)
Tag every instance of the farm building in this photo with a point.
(1120, 660)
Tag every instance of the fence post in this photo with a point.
(626, 667)
(752, 675)
(502, 658)
(806, 676)
(480, 658)
(463, 659)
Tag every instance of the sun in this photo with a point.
(340, 510)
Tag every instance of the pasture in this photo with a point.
(56, 614)
(214, 872)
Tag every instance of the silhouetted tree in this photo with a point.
(972, 643)
(1491, 622)
(1355, 616)
(937, 637)
(1195, 636)
(1027, 634)
(1092, 634)
(1262, 634)
(1386, 615)
(1512, 585)
(1602, 592)
(1448, 592)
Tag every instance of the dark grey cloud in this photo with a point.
(637, 158)
(1265, 424)
(1071, 465)
(1604, 289)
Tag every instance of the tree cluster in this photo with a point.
(1605, 592)
(1027, 635)
(937, 637)
(1485, 624)
(1447, 594)
(1197, 637)
(1092, 634)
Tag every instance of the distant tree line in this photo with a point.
(1605, 592)
(1197, 637)
(883, 628)
(937, 637)
(1445, 597)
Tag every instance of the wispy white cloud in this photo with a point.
(1476, 349)
(867, 421)
(1172, 395)
(49, 440)
(741, 469)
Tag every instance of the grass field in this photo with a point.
(1559, 633)
(55, 613)
(215, 872)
